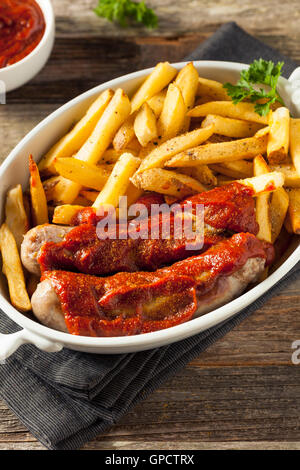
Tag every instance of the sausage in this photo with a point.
(47, 308)
(34, 240)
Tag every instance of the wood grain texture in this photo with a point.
(243, 392)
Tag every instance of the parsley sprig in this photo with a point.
(124, 11)
(260, 72)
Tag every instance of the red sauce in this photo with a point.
(22, 26)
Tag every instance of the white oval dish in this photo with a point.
(15, 75)
(15, 170)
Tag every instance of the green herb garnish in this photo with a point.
(260, 72)
(124, 11)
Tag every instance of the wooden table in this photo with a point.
(244, 391)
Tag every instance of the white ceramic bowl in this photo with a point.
(15, 170)
(16, 75)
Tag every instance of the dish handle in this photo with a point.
(9, 343)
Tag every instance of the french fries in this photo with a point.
(244, 111)
(118, 181)
(93, 149)
(38, 197)
(12, 268)
(84, 173)
(278, 139)
(173, 114)
(231, 127)
(167, 182)
(295, 143)
(161, 76)
(220, 152)
(145, 126)
(16, 217)
(68, 145)
(165, 151)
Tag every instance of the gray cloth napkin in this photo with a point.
(67, 398)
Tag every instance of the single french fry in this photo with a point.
(213, 89)
(173, 114)
(244, 111)
(125, 134)
(220, 152)
(111, 120)
(12, 268)
(118, 181)
(278, 210)
(294, 210)
(16, 217)
(38, 197)
(68, 145)
(167, 182)
(278, 140)
(292, 178)
(263, 214)
(145, 127)
(264, 183)
(156, 103)
(187, 80)
(159, 78)
(295, 143)
(64, 214)
(236, 170)
(86, 174)
(235, 128)
(160, 154)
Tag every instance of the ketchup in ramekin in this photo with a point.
(22, 26)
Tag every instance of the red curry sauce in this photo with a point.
(22, 26)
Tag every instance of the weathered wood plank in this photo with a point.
(201, 405)
(184, 16)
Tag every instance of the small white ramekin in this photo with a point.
(15, 75)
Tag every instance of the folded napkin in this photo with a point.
(67, 398)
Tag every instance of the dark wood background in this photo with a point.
(244, 391)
